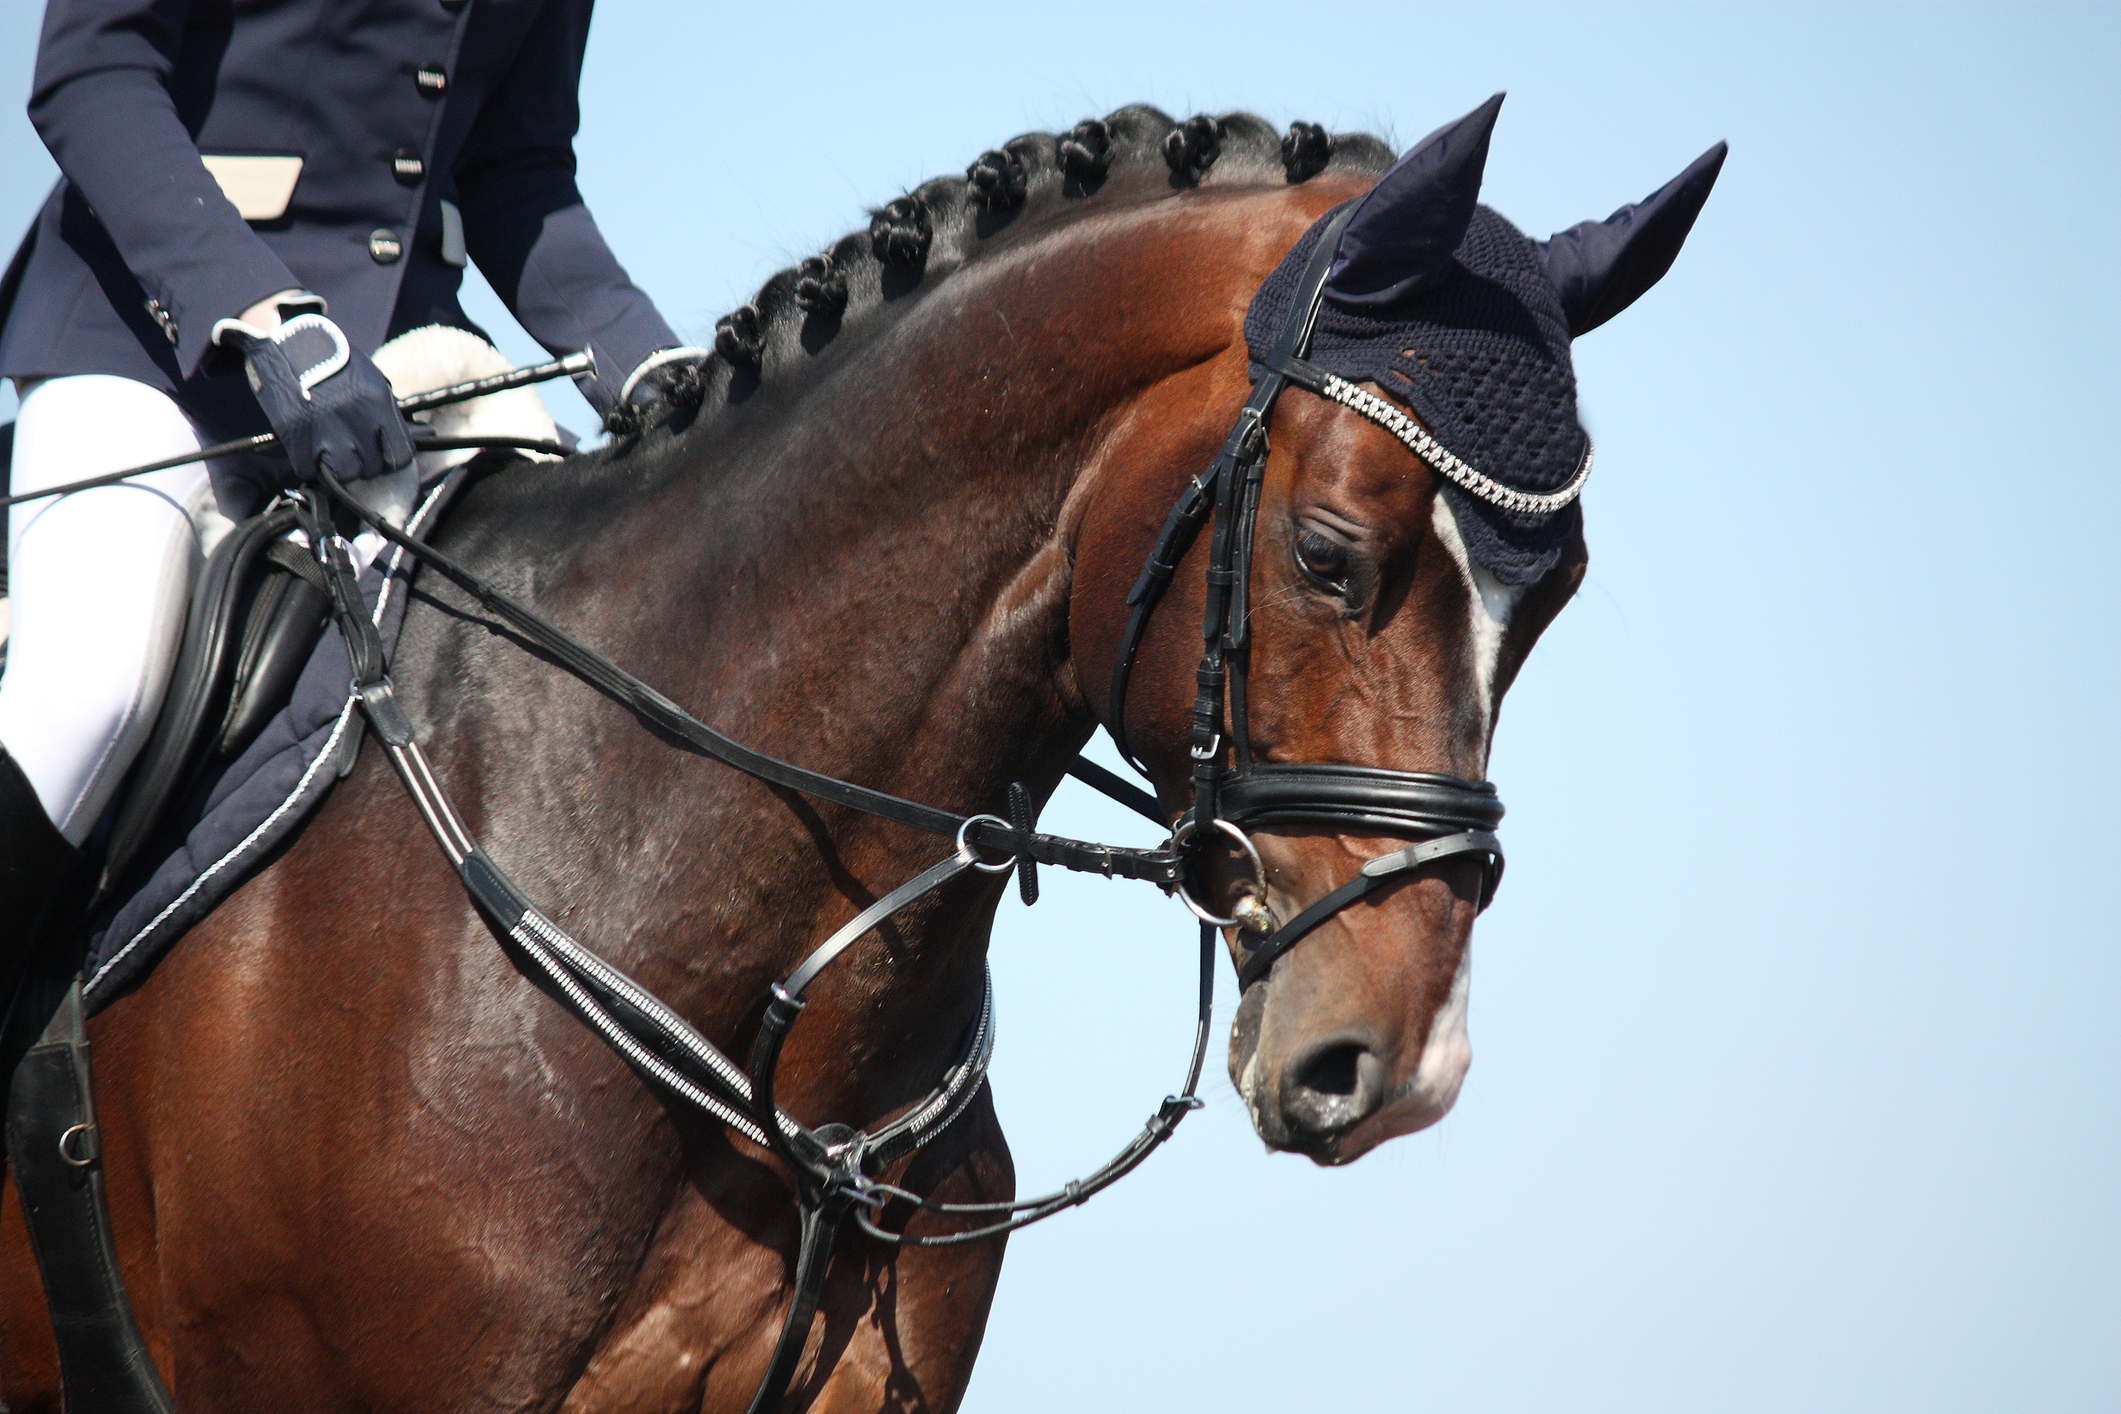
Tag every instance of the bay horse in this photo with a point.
(357, 1161)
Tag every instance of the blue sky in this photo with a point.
(1796, 1055)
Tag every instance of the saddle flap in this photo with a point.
(287, 617)
(253, 623)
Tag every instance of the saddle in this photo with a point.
(257, 611)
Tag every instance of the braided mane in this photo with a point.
(941, 224)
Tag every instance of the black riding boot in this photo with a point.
(37, 868)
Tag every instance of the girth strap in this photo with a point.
(52, 1145)
(1376, 874)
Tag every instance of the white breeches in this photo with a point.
(99, 582)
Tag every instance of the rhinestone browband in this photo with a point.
(1422, 445)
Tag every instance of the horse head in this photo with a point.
(1386, 609)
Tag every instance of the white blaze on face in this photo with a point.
(1448, 1053)
(1492, 603)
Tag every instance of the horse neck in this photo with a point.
(886, 548)
(866, 570)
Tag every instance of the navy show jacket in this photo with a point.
(395, 107)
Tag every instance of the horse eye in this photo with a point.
(1323, 559)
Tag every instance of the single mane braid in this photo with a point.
(914, 239)
(900, 233)
(821, 286)
(1086, 151)
(998, 177)
(738, 338)
(1193, 146)
(1305, 150)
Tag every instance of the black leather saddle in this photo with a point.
(257, 611)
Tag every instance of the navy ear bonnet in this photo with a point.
(1455, 312)
(1482, 358)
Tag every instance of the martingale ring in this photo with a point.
(964, 846)
(1259, 872)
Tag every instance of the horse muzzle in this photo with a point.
(1322, 1071)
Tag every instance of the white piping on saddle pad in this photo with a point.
(415, 362)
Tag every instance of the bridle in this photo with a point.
(1442, 816)
(834, 1165)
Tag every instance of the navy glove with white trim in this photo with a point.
(325, 399)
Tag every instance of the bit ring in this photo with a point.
(1259, 872)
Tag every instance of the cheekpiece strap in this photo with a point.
(1183, 525)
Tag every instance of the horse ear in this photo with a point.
(1402, 234)
(1601, 267)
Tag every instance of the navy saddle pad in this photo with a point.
(180, 865)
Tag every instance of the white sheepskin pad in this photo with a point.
(421, 360)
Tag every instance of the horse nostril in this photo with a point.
(1331, 1071)
(1332, 1085)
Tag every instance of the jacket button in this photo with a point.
(431, 81)
(162, 317)
(383, 246)
(406, 166)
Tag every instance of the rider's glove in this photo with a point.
(325, 399)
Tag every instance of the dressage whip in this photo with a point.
(571, 366)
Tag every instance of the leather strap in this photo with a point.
(820, 1225)
(1384, 870)
(104, 1367)
(1359, 800)
(919, 886)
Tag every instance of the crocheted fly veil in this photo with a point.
(1455, 313)
(1482, 358)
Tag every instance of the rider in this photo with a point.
(272, 190)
